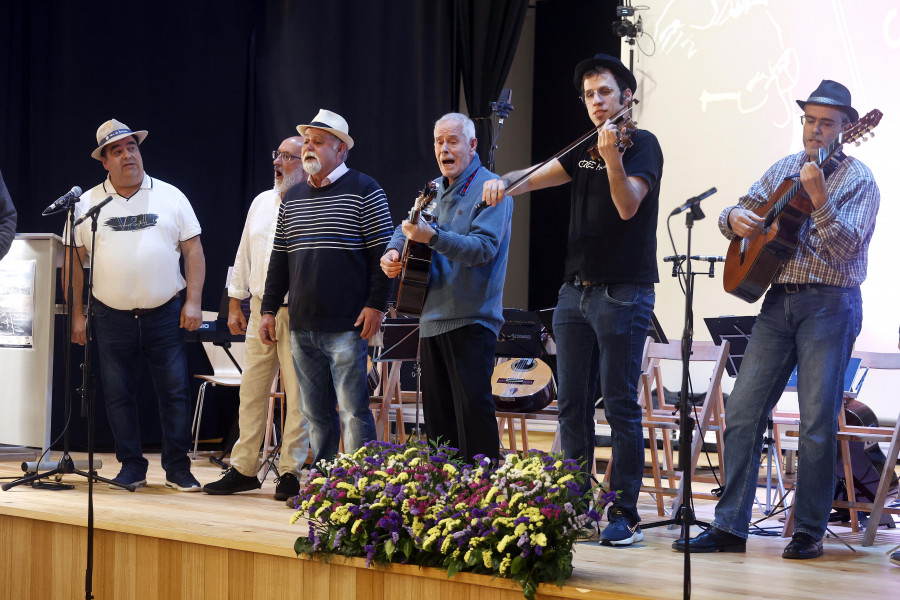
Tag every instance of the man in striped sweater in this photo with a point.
(330, 236)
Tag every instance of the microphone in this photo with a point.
(94, 210)
(63, 202)
(692, 201)
(502, 106)
(710, 259)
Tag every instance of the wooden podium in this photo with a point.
(27, 309)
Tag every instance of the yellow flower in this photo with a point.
(362, 483)
(521, 528)
(486, 557)
(296, 517)
(450, 469)
(539, 539)
(318, 481)
(446, 545)
(506, 540)
(516, 497)
(504, 565)
(356, 524)
(322, 509)
(564, 479)
(557, 464)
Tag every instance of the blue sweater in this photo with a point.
(469, 263)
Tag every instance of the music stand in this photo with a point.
(400, 342)
(520, 335)
(736, 330)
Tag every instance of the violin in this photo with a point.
(625, 128)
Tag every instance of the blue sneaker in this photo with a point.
(621, 531)
(127, 477)
(182, 481)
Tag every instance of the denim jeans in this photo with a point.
(813, 329)
(602, 329)
(331, 371)
(123, 340)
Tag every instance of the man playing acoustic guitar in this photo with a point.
(463, 310)
(810, 318)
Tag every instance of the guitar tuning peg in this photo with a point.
(857, 143)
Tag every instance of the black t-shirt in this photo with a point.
(602, 246)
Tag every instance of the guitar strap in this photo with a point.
(465, 187)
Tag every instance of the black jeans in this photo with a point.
(456, 390)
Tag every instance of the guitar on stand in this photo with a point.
(750, 265)
(416, 261)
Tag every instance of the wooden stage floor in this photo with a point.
(160, 543)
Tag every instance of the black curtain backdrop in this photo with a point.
(488, 35)
(566, 32)
(218, 84)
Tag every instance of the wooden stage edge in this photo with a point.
(161, 544)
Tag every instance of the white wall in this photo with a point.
(718, 85)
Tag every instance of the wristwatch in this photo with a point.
(434, 238)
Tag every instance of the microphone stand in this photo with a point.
(685, 516)
(66, 464)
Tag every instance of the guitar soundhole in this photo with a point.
(524, 364)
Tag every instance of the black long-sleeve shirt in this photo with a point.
(7, 219)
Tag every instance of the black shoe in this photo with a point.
(714, 540)
(803, 546)
(233, 481)
(286, 486)
(895, 558)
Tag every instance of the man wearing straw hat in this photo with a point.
(142, 233)
(329, 238)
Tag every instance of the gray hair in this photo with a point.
(468, 127)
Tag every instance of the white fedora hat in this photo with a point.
(114, 130)
(331, 122)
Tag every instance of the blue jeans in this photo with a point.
(123, 340)
(331, 370)
(602, 329)
(814, 330)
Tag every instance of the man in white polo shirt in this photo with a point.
(142, 233)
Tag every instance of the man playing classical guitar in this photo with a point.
(463, 309)
(605, 305)
(810, 318)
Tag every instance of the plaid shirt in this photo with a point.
(834, 242)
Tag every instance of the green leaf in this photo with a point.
(516, 565)
(406, 546)
(389, 548)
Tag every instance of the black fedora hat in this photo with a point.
(607, 62)
(833, 95)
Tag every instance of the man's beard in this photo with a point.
(313, 166)
(288, 180)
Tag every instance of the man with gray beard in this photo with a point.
(248, 280)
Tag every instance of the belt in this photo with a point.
(140, 312)
(579, 282)
(793, 288)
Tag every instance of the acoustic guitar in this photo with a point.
(522, 385)
(750, 265)
(415, 261)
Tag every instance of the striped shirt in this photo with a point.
(834, 242)
(327, 247)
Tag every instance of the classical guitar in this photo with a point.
(750, 265)
(522, 385)
(415, 261)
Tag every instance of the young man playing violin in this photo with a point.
(809, 318)
(605, 305)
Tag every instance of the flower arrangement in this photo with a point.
(419, 504)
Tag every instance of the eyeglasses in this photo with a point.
(284, 156)
(826, 124)
(604, 92)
